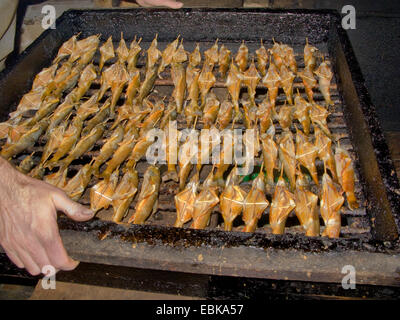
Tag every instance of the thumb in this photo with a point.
(71, 208)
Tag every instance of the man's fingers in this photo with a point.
(36, 252)
(172, 4)
(55, 250)
(13, 256)
(29, 264)
(71, 208)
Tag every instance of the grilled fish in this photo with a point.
(251, 78)
(325, 76)
(272, 81)
(302, 112)
(286, 82)
(255, 203)
(282, 204)
(306, 153)
(106, 52)
(287, 156)
(306, 207)
(242, 57)
(124, 194)
(231, 200)
(167, 55)
(101, 194)
(262, 59)
(148, 197)
(184, 202)
(224, 58)
(270, 155)
(345, 173)
(331, 202)
(204, 203)
(75, 187)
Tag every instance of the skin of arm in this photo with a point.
(28, 221)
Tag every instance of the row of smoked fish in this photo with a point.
(59, 112)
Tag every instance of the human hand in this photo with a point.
(156, 3)
(28, 221)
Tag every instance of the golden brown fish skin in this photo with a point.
(309, 82)
(54, 141)
(251, 78)
(30, 101)
(233, 84)
(108, 149)
(287, 156)
(242, 57)
(77, 185)
(48, 105)
(255, 203)
(211, 55)
(101, 194)
(184, 202)
(167, 55)
(306, 207)
(226, 151)
(306, 153)
(133, 87)
(148, 197)
(139, 150)
(270, 155)
(184, 162)
(265, 114)
(169, 115)
(285, 116)
(282, 204)
(106, 52)
(153, 55)
(124, 194)
(225, 114)
(84, 145)
(57, 179)
(325, 76)
(69, 82)
(27, 164)
(286, 82)
(210, 110)
(195, 57)
(204, 203)
(231, 200)
(301, 112)
(289, 58)
(224, 59)
(89, 74)
(206, 81)
(151, 120)
(330, 204)
(44, 80)
(37, 172)
(277, 53)
(120, 155)
(84, 48)
(250, 114)
(272, 81)
(345, 173)
(26, 141)
(262, 59)
(325, 153)
(134, 50)
(310, 53)
(122, 50)
(171, 149)
(148, 83)
(66, 49)
(99, 118)
(318, 115)
(178, 75)
(62, 111)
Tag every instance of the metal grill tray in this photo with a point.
(371, 230)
